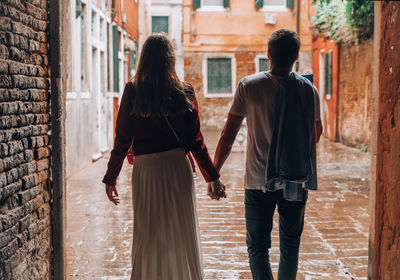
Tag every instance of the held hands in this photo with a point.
(216, 190)
(112, 194)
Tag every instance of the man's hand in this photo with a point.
(216, 190)
(112, 194)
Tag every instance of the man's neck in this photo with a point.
(280, 71)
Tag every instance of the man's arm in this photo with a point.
(227, 139)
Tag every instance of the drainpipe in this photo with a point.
(57, 137)
(298, 26)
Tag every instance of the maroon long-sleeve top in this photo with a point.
(153, 135)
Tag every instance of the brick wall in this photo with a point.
(355, 94)
(25, 244)
(213, 111)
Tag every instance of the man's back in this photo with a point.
(255, 99)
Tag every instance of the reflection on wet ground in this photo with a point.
(334, 243)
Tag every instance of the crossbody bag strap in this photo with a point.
(173, 131)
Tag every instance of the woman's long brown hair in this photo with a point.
(158, 90)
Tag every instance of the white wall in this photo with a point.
(89, 121)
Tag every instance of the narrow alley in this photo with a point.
(334, 243)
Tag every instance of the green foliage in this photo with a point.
(360, 18)
(345, 21)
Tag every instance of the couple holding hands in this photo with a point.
(159, 117)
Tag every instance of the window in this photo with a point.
(159, 24)
(276, 5)
(219, 75)
(212, 3)
(263, 64)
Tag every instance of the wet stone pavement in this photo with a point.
(334, 243)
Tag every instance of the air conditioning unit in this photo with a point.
(124, 17)
(270, 18)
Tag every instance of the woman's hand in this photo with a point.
(216, 190)
(112, 194)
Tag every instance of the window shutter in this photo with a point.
(196, 4)
(290, 4)
(326, 90)
(259, 3)
(226, 3)
(115, 35)
(330, 72)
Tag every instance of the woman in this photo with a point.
(160, 114)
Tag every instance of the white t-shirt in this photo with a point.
(255, 99)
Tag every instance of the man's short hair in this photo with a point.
(284, 46)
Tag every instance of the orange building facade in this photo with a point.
(326, 79)
(225, 41)
(124, 44)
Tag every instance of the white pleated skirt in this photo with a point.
(166, 240)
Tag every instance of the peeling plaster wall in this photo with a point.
(355, 94)
(386, 262)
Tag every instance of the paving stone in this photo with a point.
(334, 243)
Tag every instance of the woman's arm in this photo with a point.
(123, 139)
(199, 148)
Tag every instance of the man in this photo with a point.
(261, 99)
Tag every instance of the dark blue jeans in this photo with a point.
(260, 208)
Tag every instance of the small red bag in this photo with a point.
(130, 156)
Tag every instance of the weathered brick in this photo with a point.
(29, 155)
(43, 164)
(4, 52)
(3, 180)
(8, 108)
(24, 123)
(43, 176)
(42, 153)
(21, 42)
(19, 81)
(34, 46)
(33, 204)
(3, 150)
(12, 201)
(5, 24)
(20, 29)
(38, 95)
(5, 81)
(30, 181)
(13, 262)
(4, 95)
(19, 68)
(6, 191)
(15, 147)
(18, 55)
(12, 217)
(7, 236)
(5, 122)
(27, 168)
(12, 175)
(3, 67)
(36, 59)
(24, 223)
(13, 161)
(7, 251)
